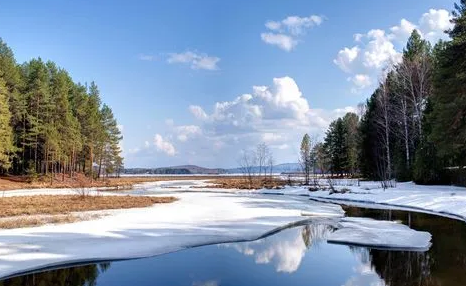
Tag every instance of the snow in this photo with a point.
(443, 200)
(195, 219)
(381, 234)
(199, 217)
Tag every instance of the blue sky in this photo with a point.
(164, 65)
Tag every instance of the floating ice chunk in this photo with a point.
(380, 234)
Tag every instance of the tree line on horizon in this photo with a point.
(413, 126)
(49, 124)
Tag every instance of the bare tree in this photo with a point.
(262, 155)
(402, 113)
(383, 122)
(247, 164)
(415, 75)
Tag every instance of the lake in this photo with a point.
(295, 256)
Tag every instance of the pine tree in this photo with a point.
(336, 147)
(449, 100)
(351, 125)
(6, 132)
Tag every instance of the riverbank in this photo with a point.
(196, 218)
(8, 183)
(26, 211)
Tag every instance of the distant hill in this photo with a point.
(175, 170)
(196, 170)
(280, 168)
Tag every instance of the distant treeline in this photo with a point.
(181, 170)
(413, 127)
(50, 124)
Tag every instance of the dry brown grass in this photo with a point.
(29, 221)
(65, 204)
(244, 183)
(80, 181)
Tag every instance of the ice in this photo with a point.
(380, 234)
(200, 216)
(195, 219)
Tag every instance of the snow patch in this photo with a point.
(380, 234)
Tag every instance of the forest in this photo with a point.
(413, 126)
(52, 126)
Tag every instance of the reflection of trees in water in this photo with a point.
(73, 276)
(315, 233)
(443, 264)
(398, 268)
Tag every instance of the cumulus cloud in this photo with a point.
(198, 112)
(378, 48)
(195, 60)
(185, 132)
(163, 145)
(277, 114)
(434, 23)
(282, 41)
(402, 31)
(286, 33)
(346, 57)
(360, 82)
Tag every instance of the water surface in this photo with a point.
(296, 256)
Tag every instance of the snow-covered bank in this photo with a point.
(444, 200)
(196, 219)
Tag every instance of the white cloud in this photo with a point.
(278, 114)
(379, 49)
(187, 131)
(145, 57)
(362, 80)
(402, 32)
(163, 145)
(271, 137)
(195, 60)
(282, 41)
(358, 37)
(283, 146)
(298, 25)
(273, 25)
(434, 23)
(346, 57)
(286, 33)
(198, 112)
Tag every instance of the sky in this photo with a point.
(199, 82)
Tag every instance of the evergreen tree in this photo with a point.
(6, 132)
(336, 147)
(351, 125)
(49, 124)
(449, 100)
